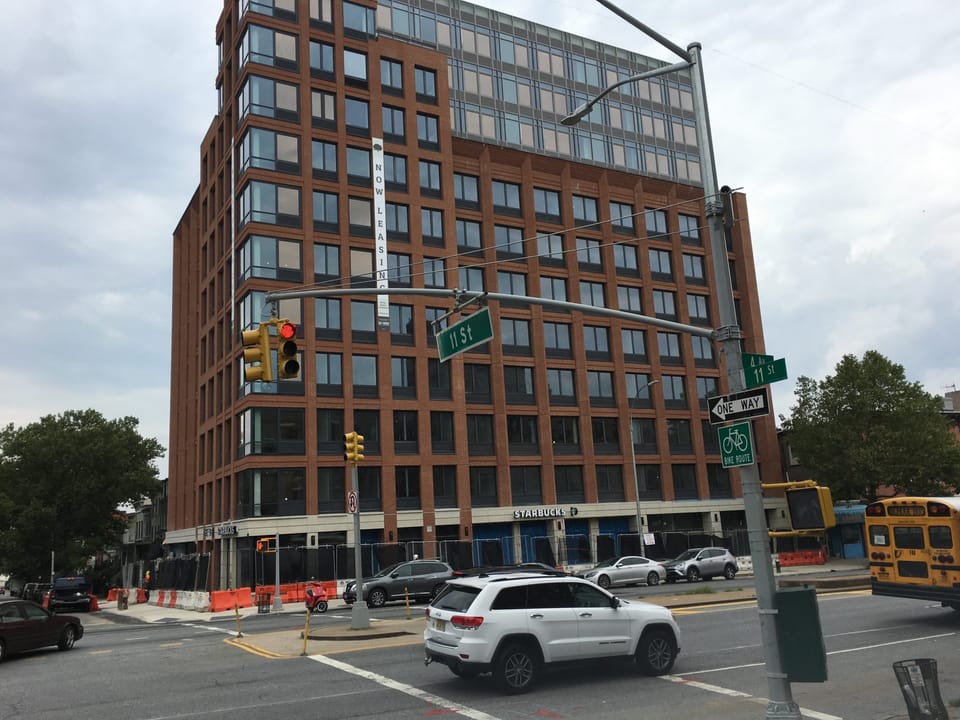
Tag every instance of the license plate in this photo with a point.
(439, 625)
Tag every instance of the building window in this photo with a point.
(324, 160)
(596, 342)
(525, 485)
(668, 345)
(322, 60)
(357, 116)
(468, 234)
(435, 320)
(408, 487)
(358, 166)
(483, 486)
(588, 253)
(401, 324)
(426, 84)
(600, 387)
(326, 211)
(556, 339)
(428, 131)
(606, 437)
(445, 486)
(476, 383)
(393, 124)
(656, 223)
(405, 435)
(268, 47)
(508, 241)
(272, 492)
(621, 217)
(518, 384)
(363, 323)
(711, 441)
(370, 486)
(648, 482)
(506, 197)
(403, 374)
(554, 288)
(511, 283)
(664, 304)
(515, 336)
(268, 98)
(471, 278)
(707, 387)
(268, 203)
(271, 258)
(625, 259)
(661, 267)
(364, 375)
(565, 434)
(272, 431)
(591, 293)
(638, 390)
(522, 435)
(367, 423)
(569, 481)
(609, 484)
(395, 171)
(399, 270)
(269, 150)
(329, 374)
(699, 310)
(398, 222)
(285, 9)
(323, 109)
(438, 377)
(718, 482)
(689, 229)
(466, 190)
(480, 434)
(546, 204)
(430, 178)
(434, 273)
(634, 345)
(644, 436)
(331, 490)
(550, 249)
(685, 482)
(561, 386)
(674, 392)
(678, 435)
(358, 19)
(431, 226)
(391, 76)
(441, 432)
(693, 269)
(326, 317)
(628, 298)
(326, 261)
(584, 210)
(702, 351)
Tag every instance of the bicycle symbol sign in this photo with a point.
(735, 446)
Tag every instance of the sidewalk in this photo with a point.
(835, 574)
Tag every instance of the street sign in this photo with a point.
(352, 503)
(766, 373)
(735, 446)
(739, 406)
(473, 330)
(752, 360)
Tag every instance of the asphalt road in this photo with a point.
(178, 671)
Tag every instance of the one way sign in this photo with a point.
(738, 406)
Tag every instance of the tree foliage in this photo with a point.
(866, 427)
(61, 481)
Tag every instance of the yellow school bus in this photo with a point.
(913, 544)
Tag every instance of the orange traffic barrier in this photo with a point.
(112, 594)
(94, 604)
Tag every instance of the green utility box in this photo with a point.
(799, 635)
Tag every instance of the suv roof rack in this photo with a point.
(510, 570)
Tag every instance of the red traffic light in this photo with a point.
(288, 331)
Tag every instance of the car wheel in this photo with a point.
(604, 582)
(516, 668)
(320, 607)
(462, 672)
(67, 638)
(656, 652)
(693, 574)
(729, 572)
(376, 597)
(653, 578)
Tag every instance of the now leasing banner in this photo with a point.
(380, 234)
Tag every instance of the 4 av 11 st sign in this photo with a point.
(473, 330)
(739, 406)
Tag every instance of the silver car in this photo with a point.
(416, 579)
(626, 570)
(696, 563)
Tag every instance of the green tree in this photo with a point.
(866, 427)
(61, 481)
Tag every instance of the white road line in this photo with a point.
(212, 628)
(405, 688)
(805, 712)
(895, 642)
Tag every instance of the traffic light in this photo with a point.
(811, 508)
(256, 354)
(353, 447)
(288, 363)
(264, 545)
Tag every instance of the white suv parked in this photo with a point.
(515, 623)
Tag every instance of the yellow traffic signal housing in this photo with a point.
(266, 545)
(811, 508)
(256, 354)
(288, 361)
(353, 447)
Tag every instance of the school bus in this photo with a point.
(913, 544)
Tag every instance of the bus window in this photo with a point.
(940, 537)
(879, 535)
(908, 538)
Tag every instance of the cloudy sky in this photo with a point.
(839, 120)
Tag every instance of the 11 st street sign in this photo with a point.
(739, 406)
(473, 330)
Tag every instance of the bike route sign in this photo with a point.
(739, 406)
(735, 446)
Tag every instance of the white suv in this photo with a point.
(512, 624)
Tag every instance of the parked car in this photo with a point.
(315, 597)
(69, 593)
(24, 625)
(416, 579)
(626, 570)
(515, 625)
(696, 563)
(34, 592)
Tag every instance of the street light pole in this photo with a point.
(780, 704)
(633, 462)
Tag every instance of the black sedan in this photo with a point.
(24, 625)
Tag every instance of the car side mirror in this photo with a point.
(614, 602)
(394, 575)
